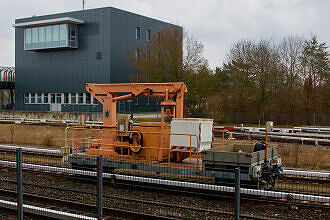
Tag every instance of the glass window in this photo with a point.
(147, 35)
(39, 98)
(35, 35)
(72, 32)
(63, 32)
(73, 98)
(137, 54)
(26, 98)
(88, 98)
(56, 32)
(33, 100)
(137, 33)
(42, 34)
(81, 98)
(59, 98)
(45, 98)
(66, 98)
(28, 36)
(52, 98)
(52, 36)
(48, 33)
(95, 102)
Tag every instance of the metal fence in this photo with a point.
(281, 118)
(38, 183)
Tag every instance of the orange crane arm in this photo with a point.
(106, 95)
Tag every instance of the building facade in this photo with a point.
(55, 55)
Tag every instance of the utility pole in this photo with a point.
(83, 2)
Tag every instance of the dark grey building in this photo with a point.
(55, 55)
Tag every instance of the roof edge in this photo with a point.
(38, 23)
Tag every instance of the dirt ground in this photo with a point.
(33, 135)
(293, 155)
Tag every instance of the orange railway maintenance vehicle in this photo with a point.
(184, 147)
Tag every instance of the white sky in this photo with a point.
(215, 23)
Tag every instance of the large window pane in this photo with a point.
(26, 98)
(73, 32)
(28, 36)
(35, 35)
(88, 98)
(137, 54)
(48, 33)
(137, 33)
(63, 32)
(81, 98)
(58, 98)
(33, 98)
(45, 97)
(52, 98)
(56, 32)
(147, 35)
(42, 35)
(52, 36)
(66, 98)
(73, 98)
(39, 98)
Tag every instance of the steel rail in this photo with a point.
(304, 173)
(108, 210)
(317, 141)
(140, 201)
(32, 149)
(298, 134)
(44, 211)
(273, 194)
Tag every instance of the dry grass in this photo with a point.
(34, 135)
(47, 138)
(305, 156)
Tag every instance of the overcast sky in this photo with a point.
(215, 23)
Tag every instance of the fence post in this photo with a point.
(19, 183)
(99, 188)
(237, 192)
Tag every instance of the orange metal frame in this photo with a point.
(171, 93)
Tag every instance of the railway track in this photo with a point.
(80, 208)
(283, 193)
(124, 205)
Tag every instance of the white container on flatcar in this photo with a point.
(186, 131)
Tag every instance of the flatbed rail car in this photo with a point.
(220, 162)
(215, 164)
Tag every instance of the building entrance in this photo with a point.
(55, 102)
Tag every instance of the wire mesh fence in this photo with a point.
(70, 185)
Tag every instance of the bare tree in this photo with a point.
(290, 49)
(172, 55)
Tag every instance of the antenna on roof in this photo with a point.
(83, 2)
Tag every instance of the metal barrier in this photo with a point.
(81, 142)
(7, 74)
